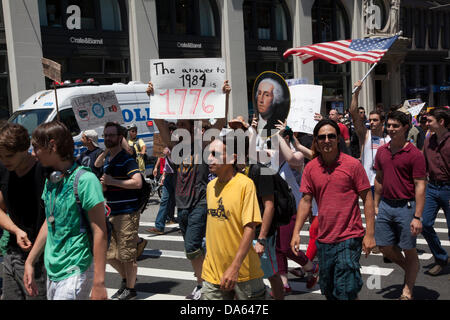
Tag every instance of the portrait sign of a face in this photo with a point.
(271, 99)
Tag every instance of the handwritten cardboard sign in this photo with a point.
(187, 88)
(94, 110)
(306, 100)
(52, 69)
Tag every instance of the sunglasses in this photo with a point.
(330, 136)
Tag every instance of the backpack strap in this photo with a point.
(84, 225)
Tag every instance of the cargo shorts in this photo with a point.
(124, 235)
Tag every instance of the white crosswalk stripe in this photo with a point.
(161, 263)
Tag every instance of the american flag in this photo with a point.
(337, 52)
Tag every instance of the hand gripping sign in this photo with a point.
(187, 88)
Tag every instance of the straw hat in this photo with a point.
(239, 119)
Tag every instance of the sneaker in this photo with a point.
(298, 272)
(313, 276)
(140, 247)
(196, 293)
(128, 294)
(116, 295)
(154, 230)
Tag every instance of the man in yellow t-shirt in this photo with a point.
(139, 147)
(231, 267)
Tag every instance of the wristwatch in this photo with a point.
(261, 242)
(418, 218)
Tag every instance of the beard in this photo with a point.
(111, 143)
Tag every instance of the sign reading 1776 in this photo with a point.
(187, 88)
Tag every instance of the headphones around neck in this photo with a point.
(57, 176)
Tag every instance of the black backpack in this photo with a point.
(284, 200)
(143, 194)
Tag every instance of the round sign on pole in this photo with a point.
(271, 100)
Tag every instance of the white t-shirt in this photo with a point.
(368, 153)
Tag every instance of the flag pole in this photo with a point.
(364, 78)
(373, 66)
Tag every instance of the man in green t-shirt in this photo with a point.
(73, 268)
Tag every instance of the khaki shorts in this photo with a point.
(249, 290)
(124, 235)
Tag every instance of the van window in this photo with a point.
(68, 118)
(30, 119)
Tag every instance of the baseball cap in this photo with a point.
(92, 134)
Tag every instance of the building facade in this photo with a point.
(114, 40)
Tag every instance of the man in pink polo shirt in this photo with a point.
(400, 198)
(336, 180)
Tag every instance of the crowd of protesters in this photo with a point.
(225, 201)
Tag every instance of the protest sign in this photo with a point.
(272, 101)
(414, 111)
(187, 88)
(52, 69)
(306, 100)
(94, 110)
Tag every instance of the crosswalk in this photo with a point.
(164, 260)
(164, 272)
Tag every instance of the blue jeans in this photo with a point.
(436, 197)
(193, 228)
(167, 205)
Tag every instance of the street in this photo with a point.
(164, 273)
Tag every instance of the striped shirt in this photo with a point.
(121, 167)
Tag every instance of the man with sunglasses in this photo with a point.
(333, 177)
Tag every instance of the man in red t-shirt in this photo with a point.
(336, 181)
(400, 198)
(334, 115)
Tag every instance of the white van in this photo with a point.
(132, 98)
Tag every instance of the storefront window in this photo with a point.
(2, 21)
(4, 98)
(184, 17)
(111, 15)
(50, 13)
(330, 23)
(116, 66)
(187, 17)
(87, 14)
(207, 27)
(3, 67)
(263, 14)
(86, 65)
(281, 25)
(265, 20)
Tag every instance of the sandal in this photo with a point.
(298, 272)
(403, 297)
